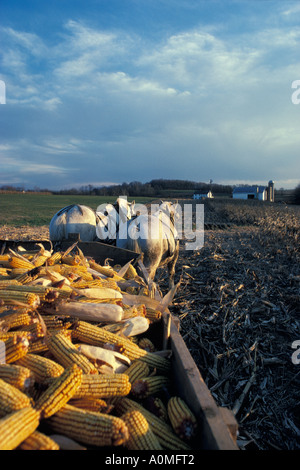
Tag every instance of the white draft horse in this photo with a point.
(155, 236)
(90, 225)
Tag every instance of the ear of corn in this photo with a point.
(147, 386)
(137, 370)
(41, 367)
(89, 427)
(167, 438)
(182, 419)
(18, 376)
(38, 441)
(17, 426)
(14, 348)
(13, 297)
(59, 392)
(96, 336)
(91, 404)
(11, 398)
(20, 262)
(141, 436)
(67, 354)
(103, 386)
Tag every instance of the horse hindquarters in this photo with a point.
(81, 220)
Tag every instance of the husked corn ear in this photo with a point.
(54, 258)
(147, 344)
(16, 262)
(54, 322)
(18, 376)
(141, 436)
(137, 370)
(107, 271)
(131, 272)
(14, 348)
(59, 392)
(11, 297)
(17, 426)
(38, 441)
(41, 367)
(103, 386)
(156, 406)
(67, 354)
(147, 386)
(152, 314)
(96, 336)
(182, 419)
(11, 399)
(167, 438)
(91, 404)
(89, 427)
(4, 283)
(28, 276)
(17, 318)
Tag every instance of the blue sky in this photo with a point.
(110, 91)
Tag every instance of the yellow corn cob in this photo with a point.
(17, 318)
(41, 367)
(4, 283)
(137, 370)
(54, 258)
(103, 386)
(40, 260)
(141, 436)
(18, 376)
(4, 260)
(89, 427)
(66, 353)
(182, 419)
(96, 336)
(146, 343)
(41, 291)
(27, 276)
(11, 399)
(152, 314)
(11, 297)
(37, 346)
(14, 348)
(59, 392)
(38, 441)
(167, 438)
(156, 406)
(147, 386)
(54, 322)
(17, 426)
(107, 271)
(131, 272)
(91, 404)
(16, 262)
(72, 260)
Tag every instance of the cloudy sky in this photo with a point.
(111, 91)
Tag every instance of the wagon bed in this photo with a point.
(218, 427)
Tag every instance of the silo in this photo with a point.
(270, 191)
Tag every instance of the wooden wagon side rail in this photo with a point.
(218, 425)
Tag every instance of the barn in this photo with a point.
(262, 193)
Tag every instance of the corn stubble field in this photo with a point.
(238, 303)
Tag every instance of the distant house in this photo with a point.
(262, 193)
(207, 194)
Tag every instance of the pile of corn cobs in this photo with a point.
(77, 367)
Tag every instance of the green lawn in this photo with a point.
(35, 209)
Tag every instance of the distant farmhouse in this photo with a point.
(207, 194)
(262, 193)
